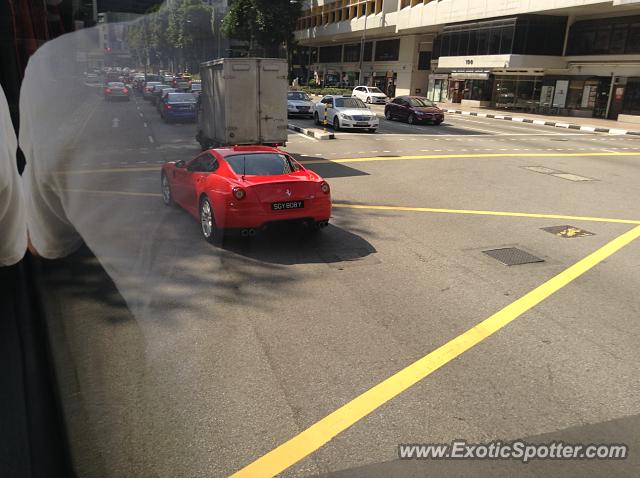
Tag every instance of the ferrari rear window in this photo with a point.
(259, 164)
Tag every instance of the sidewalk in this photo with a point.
(583, 124)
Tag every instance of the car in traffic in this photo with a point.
(370, 94)
(179, 107)
(413, 109)
(196, 88)
(147, 90)
(246, 188)
(138, 82)
(182, 81)
(116, 90)
(345, 112)
(163, 96)
(299, 104)
(167, 79)
(157, 92)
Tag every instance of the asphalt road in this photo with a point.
(193, 360)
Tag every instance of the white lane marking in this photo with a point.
(146, 125)
(115, 123)
(150, 139)
(141, 115)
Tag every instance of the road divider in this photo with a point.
(314, 133)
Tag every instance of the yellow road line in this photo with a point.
(383, 158)
(485, 213)
(460, 156)
(321, 432)
(408, 209)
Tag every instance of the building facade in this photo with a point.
(569, 57)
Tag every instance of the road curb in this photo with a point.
(556, 124)
(321, 135)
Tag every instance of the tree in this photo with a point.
(265, 23)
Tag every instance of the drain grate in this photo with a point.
(512, 256)
(567, 231)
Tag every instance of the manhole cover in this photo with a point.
(567, 231)
(511, 256)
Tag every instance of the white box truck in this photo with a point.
(243, 101)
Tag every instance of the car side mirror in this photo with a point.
(180, 163)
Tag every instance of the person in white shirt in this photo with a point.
(13, 226)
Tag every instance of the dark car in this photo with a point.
(178, 107)
(413, 109)
(116, 90)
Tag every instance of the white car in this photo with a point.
(345, 112)
(299, 103)
(369, 94)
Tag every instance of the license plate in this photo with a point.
(362, 123)
(281, 206)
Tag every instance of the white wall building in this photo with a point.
(574, 57)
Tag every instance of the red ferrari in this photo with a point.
(246, 188)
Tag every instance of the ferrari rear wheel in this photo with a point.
(167, 198)
(207, 222)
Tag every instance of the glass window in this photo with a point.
(494, 41)
(331, 54)
(603, 37)
(483, 42)
(633, 39)
(350, 103)
(298, 96)
(618, 39)
(387, 50)
(574, 95)
(424, 60)
(352, 53)
(504, 94)
(506, 42)
(463, 43)
(181, 98)
(473, 43)
(259, 164)
(421, 102)
(445, 45)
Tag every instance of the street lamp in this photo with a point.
(364, 35)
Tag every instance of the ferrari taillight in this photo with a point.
(324, 186)
(125, 91)
(239, 193)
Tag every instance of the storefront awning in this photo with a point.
(469, 76)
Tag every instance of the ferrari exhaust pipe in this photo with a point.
(244, 232)
(252, 232)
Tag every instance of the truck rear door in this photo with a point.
(273, 101)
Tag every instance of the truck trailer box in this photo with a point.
(243, 101)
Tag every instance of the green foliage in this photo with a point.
(267, 23)
(178, 35)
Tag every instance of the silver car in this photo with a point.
(299, 104)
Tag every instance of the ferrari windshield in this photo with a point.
(349, 103)
(259, 164)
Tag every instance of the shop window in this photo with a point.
(387, 50)
(574, 95)
(631, 103)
